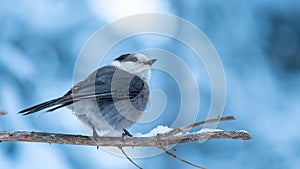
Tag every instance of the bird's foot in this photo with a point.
(126, 133)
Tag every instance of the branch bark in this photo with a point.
(24, 136)
(197, 124)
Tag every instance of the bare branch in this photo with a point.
(128, 158)
(178, 158)
(160, 141)
(197, 124)
(24, 136)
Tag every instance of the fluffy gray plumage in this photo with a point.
(111, 98)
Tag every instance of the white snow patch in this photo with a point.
(158, 130)
(204, 130)
(244, 131)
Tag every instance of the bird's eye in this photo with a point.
(133, 59)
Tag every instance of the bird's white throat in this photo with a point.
(144, 72)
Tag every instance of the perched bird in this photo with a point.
(110, 99)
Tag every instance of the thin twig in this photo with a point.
(125, 154)
(178, 158)
(197, 124)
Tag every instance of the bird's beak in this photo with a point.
(150, 62)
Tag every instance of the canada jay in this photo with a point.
(110, 99)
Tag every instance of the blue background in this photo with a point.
(258, 43)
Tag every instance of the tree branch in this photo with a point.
(23, 136)
(161, 140)
(129, 159)
(197, 124)
(180, 159)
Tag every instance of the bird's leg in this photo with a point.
(95, 135)
(126, 133)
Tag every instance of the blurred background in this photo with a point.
(258, 43)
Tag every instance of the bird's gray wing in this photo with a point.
(108, 83)
(105, 84)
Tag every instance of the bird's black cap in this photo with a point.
(123, 57)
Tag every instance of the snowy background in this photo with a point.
(258, 43)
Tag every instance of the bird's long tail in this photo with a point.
(55, 103)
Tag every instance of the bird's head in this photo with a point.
(135, 63)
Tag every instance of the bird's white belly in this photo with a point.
(89, 115)
(112, 123)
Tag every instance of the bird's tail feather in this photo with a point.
(60, 106)
(58, 101)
